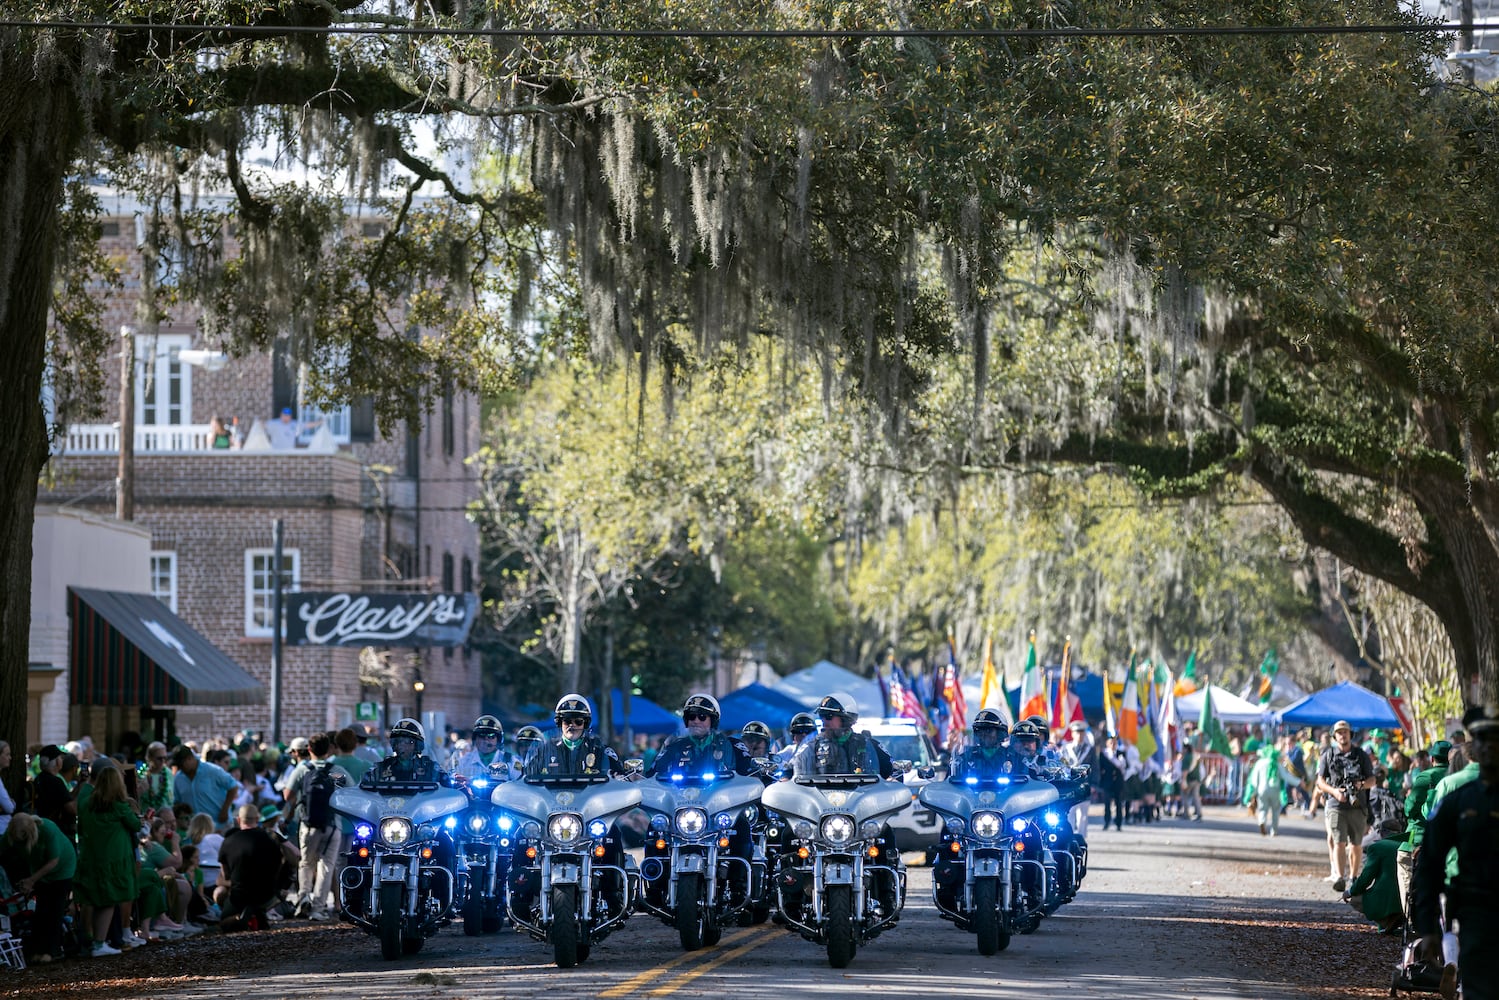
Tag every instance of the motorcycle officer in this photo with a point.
(987, 757)
(838, 749)
(704, 749)
(1025, 744)
(485, 758)
(408, 762)
(527, 738)
(756, 738)
(575, 753)
(801, 726)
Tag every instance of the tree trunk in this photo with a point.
(572, 609)
(38, 135)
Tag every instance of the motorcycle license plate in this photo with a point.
(691, 863)
(566, 874)
(393, 873)
(982, 867)
(838, 873)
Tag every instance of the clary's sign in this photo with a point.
(322, 619)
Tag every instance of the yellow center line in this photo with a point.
(634, 983)
(707, 967)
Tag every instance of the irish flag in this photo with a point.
(1129, 712)
(1033, 687)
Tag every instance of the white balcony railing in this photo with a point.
(159, 439)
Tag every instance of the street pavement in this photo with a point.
(1168, 909)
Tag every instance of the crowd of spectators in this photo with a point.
(101, 853)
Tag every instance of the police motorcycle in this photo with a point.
(403, 878)
(693, 818)
(839, 882)
(485, 833)
(1064, 850)
(564, 849)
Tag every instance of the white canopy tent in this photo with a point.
(1227, 706)
(824, 677)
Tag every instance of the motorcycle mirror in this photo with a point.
(926, 772)
(634, 764)
(901, 766)
(761, 762)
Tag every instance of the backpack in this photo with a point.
(317, 795)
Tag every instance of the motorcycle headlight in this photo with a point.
(531, 830)
(660, 822)
(724, 820)
(987, 825)
(565, 828)
(598, 828)
(1018, 824)
(428, 831)
(691, 822)
(504, 823)
(395, 830)
(837, 830)
(363, 831)
(1052, 819)
(803, 829)
(870, 829)
(955, 825)
(477, 823)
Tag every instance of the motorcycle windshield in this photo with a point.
(866, 801)
(723, 794)
(960, 799)
(423, 807)
(604, 800)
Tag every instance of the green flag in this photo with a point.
(1162, 675)
(1213, 736)
(1269, 667)
(1189, 672)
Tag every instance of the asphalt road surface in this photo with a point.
(1174, 909)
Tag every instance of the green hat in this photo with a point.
(268, 813)
(1440, 751)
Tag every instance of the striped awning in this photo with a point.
(130, 650)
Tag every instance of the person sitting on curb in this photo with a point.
(1376, 891)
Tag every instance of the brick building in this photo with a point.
(365, 508)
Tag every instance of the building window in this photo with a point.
(467, 580)
(447, 420)
(163, 384)
(259, 584)
(447, 572)
(164, 578)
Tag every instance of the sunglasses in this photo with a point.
(695, 716)
(573, 720)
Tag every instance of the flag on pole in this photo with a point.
(952, 694)
(1208, 725)
(1032, 686)
(1269, 667)
(1129, 712)
(904, 702)
(1060, 710)
(1110, 710)
(1189, 672)
(991, 688)
(1146, 742)
(1170, 722)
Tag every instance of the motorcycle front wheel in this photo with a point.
(843, 941)
(390, 920)
(992, 937)
(565, 926)
(691, 911)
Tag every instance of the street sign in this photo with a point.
(367, 711)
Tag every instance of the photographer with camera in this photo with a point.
(1345, 774)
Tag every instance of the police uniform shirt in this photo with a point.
(470, 764)
(395, 770)
(555, 758)
(983, 762)
(827, 754)
(718, 754)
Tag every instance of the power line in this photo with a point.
(437, 31)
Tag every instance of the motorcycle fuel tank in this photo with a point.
(603, 800)
(1014, 799)
(719, 795)
(863, 802)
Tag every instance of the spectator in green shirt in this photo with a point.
(47, 854)
(1376, 892)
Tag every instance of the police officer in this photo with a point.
(756, 738)
(408, 762)
(1025, 746)
(527, 738)
(801, 726)
(485, 758)
(1467, 820)
(988, 757)
(704, 748)
(838, 749)
(575, 752)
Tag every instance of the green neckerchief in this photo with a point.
(701, 744)
(487, 759)
(572, 744)
(843, 737)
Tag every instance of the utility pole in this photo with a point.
(125, 476)
(1465, 39)
(276, 589)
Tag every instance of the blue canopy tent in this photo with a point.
(757, 701)
(645, 715)
(1360, 707)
